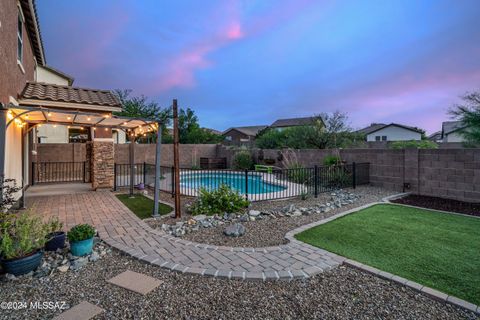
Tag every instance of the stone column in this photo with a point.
(103, 162)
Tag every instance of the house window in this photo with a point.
(228, 138)
(20, 36)
(384, 138)
(377, 138)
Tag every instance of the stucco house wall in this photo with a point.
(453, 137)
(394, 133)
(13, 76)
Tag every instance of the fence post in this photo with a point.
(172, 172)
(354, 175)
(144, 174)
(246, 184)
(315, 176)
(33, 173)
(114, 177)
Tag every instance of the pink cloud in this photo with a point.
(235, 31)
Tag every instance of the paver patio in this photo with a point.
(120, 228)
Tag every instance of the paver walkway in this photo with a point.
(120, 228)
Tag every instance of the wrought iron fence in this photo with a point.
(50, 172)
(255, 185)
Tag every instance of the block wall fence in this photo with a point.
(449, 173)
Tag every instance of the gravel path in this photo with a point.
(271, 232)
(338, 294)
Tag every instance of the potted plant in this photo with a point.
(81, 239)
(23, 237)
(56, 237)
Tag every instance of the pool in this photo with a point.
(212, 180)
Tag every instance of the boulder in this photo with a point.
(254, 213)
(234, 230)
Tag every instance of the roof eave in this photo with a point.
(69, 105)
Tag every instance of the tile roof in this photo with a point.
(58, 93)
(291, 122)
(249, 130)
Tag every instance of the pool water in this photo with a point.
(236, 181)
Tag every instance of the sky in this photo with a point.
(238, 63)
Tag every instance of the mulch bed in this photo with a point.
(436, 203)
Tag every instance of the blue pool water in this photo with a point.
(212, 180)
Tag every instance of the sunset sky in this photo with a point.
(250, 62)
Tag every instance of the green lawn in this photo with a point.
(142, 206)
(438, 250)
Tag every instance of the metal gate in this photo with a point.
(51, 172)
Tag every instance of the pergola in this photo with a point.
(36, 116)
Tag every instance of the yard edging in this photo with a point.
(430, 292)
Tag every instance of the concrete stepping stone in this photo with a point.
(135, 281)
(82, 311)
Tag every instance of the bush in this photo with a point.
(22, 234)
(331, 160)
(80, 232)
(413, 144)
(336, 177)
(242, 160)
(220, 200)
(298, 174)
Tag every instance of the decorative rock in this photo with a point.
(94, 256)
(234, 230)
(63, 268)
(10, 277)
(78, 263)
(244, 218)
(254, 213)
(200, 217)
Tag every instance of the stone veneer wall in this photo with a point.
(103, 162)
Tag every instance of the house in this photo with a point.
(451, 131)
(34, 96)
(242, 135)
(436, 136)
(390, 132)
(282, 124)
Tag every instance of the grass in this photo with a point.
(142, 206)
(435, 249)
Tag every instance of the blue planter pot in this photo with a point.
(22, 265)
(81, 248)
(57, 241)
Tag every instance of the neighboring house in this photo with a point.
(282, 124)
(242, 135)
(390, 132)
(436, 137)
(451, 131)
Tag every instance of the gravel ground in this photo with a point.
(343, 293)
(271, 232)
(441, 204)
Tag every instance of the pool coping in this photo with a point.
(430, 292)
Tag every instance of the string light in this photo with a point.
(49, 114)
(107, 116)
(88, 119)
(106, 129)
(39, 125)
(10, 115)
(68, 118)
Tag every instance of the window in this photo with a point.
(20, 36)
(78, 135)
(384, 138)
(228, 138)
(377, 138)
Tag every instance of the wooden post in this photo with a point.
(176, 160)
(157, 170)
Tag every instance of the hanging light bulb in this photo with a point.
(106, 129)
(68, 118)
(88, 119)
(49, 114)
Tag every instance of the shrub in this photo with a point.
(298, 174)
(242, 160)
(331, 160)
(22, 234)
(220, 200)
(336, 177)
(80, 232)
(55, 225)
(9, 189)
(413, 144)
